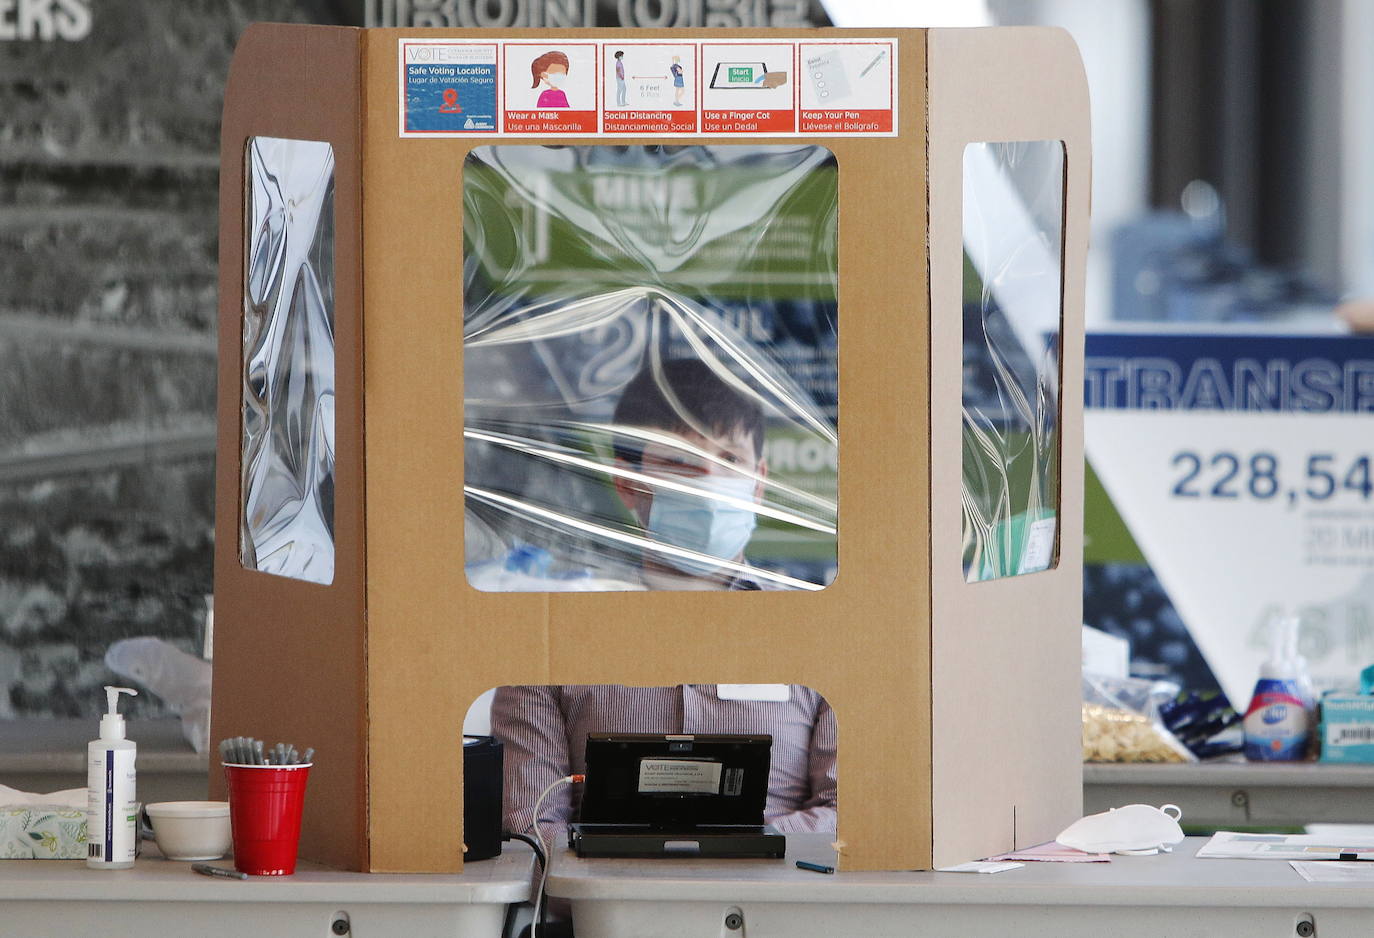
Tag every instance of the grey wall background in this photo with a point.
(109, 156)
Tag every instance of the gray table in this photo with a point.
(1238, 793)
(1151, 897)
(63, 898)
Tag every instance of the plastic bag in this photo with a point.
(650, 362)
(182, 680)
(1121, 721)
(1204, 721)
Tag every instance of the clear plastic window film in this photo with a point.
(1013, 217)
(287, 488)
(650, 360)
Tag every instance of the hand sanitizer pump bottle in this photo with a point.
(1279, 721)
(111, 812)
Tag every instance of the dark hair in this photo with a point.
(619, 55)
(706, 399)
(541, 65)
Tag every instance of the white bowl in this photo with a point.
(191, 830)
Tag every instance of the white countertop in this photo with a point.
(1172, 880)
(503, 879)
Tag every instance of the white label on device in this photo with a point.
(679, 775)
(778, 693)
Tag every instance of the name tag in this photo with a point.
(777, 693)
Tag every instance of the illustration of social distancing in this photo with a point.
(649, 88)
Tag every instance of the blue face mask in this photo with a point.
(703, 524)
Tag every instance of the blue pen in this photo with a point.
(814, 867)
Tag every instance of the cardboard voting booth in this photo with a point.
(654, 357)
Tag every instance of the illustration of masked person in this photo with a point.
(550, 70)
(621, 100)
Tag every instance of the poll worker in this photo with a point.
(705, 431)
(706, 443)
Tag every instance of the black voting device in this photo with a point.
(483, 783)
(667, 795)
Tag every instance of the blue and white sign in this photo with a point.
(450, 86)
(1243, 465)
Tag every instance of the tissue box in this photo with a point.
(42, 832)
(1347, 728)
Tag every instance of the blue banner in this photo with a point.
(1248, 373)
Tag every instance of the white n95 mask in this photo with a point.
(555, 78)
(703, 524)
(1135, 828)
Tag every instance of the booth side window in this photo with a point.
(650, 362)
(1013, 217)
(286, 492)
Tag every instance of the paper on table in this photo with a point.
(1360, 832)
(1231, 845)
(1053, 852)
(980, 866)
(1326, 871)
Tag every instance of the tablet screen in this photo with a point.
(739, 75)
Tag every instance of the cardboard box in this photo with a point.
(957, 702)
(1347, 728)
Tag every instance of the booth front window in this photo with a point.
(650, 362)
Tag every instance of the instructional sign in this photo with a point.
(846, 87)
(750, 88)
(448, 88)
(648, 87)
(550, 88)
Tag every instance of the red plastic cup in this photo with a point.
(265, 805)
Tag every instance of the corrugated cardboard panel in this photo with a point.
(435, 643)
(1005, 684)
(289, 655)
(394, 678)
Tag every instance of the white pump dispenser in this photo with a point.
(111, 793)
(112, 722)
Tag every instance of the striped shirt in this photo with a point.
(544, 732)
